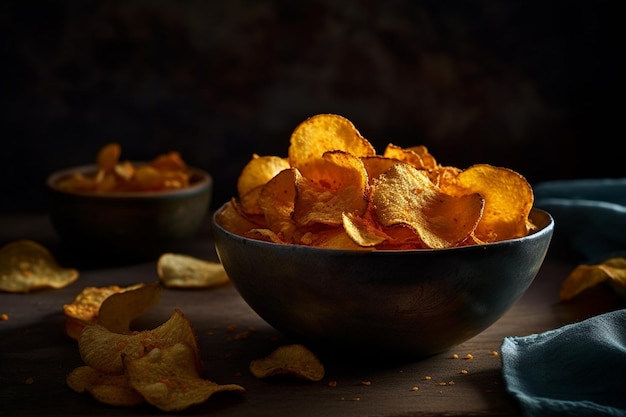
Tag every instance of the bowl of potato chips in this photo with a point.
(353, 251)
(128, 210)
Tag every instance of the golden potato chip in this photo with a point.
(585, 276)
(339, 184)
(108, 156)
(276, 201)
(103, 350)
(168, 379)
(232, 218)
(118, 310)
(295, 359)
(362, 232)
(171, 161)
(405, 195)
(26, 265)
(417, 156)
(320, 134)
(111, 389)
(508, 200)
(254, 175)
(183, 271)
(85, 307)
(376, 165)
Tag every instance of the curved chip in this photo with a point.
(296, 360)
(103, 350)
(508, 200)
(276, 201)
(338, 184)
(254, 175)
(183, 271)
(119, 310)
(85, 307)
(586, 276)
(168, 379)
(26, 266)
(417, 156)
(320, 134)
(405, 195)
(362, 232)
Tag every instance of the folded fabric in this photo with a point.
(576, 370)
(589, 214)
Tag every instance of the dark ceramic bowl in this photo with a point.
(412, 303)
(127, 225)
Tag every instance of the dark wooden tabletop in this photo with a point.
(36, 356)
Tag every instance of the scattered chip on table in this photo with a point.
(184, 271)
(26, 266)
(295, 359)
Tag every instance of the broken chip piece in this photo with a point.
(107, 388)
(26, 266)
(183, 271)
(583, 277)
(295, 359)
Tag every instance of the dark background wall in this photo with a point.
(530, 85)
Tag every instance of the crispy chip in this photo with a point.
(103, 349)
(405, 195)
(585, 276)
(119, 309)
(508, 200)
(255, 174)
(85, 307)
(111, 389)
(339, 184)
(184, 271)
(27, 266)
(321, 133)
(168, 379)
(336, 192)
(296, 360)
(108, 156)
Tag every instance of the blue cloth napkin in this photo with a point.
(589, 215)
(576, 370)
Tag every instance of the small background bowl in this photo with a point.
(411, 303)
(126, 226)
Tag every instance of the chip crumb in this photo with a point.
(366, 383)
(242, 335)
(356, 398)
(443, 383)
(4, 317)
(231, 328)
(468, 356)
(455, 356)
(428, 377)
(495, 353)
(332, 383)
(415, 388)
(29, 380)
(464, 371)
(450, 382)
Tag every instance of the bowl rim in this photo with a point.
(547, 228)
(204, 181)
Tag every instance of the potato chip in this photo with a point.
(118, 310)
(585, 276)
(276, 201)
(254, 175)
(362, 232)
(103, 350)
(26, 266)
(321, 133)
(508, 200)
(171, 161)
(417, 156)
(183, 271)
(295, 359)
(405, 195)
(111, 389)
(338, 184)
(108, 156)
(85, 307)
(168, 379)
(232, 218)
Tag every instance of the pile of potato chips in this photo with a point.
(165, 172)
(334, 191)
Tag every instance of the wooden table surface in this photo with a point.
(36, 356)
